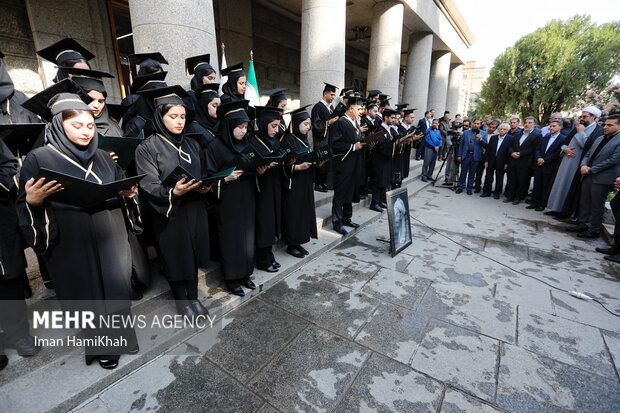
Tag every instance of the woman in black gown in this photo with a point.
(205, 120)
(277, 99)
(85, 250)
(235, 205)
(177, 213)
(269, 188)
(203, 72)
(66, 53)
(298, 214)
(234, 88)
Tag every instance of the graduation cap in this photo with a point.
(275, 95)
(347, 90)
(140, 82)
(147, 61)
(87, 79)
(269, 113)
(115, 111)
(192, 63)
(65, 49)
(208, 88)
(232, 69)
(389, 112)
(384, 100)
(408, 111)
(401, 106)
(373, 93)
(356, 100)
(170, 95)
(233, 110)
(20, 137)
(329, 88)
(60, 96)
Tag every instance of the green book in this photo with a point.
(123, 147)
(340, 110)
(317, 155)
(247, 159)
(179, 173)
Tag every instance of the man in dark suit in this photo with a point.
(547, 160)
(423, 125)
(320, 118)
(613, 253)
(514, 132)
(522, 152)
(469, 154)
(600, 168)
(496, 161)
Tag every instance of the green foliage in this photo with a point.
(553, 68)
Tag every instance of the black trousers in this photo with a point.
(524, 177)
(264, 257)
(511, 182)
(497, 173)
(341, 212)
(13, 315)
(479, 173)
(543, 179)
(592, 203)
(615, 207)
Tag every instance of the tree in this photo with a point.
(552, 68)
(608, 100)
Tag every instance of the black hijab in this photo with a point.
(148, 66)
(263, 120)
(225, 134)
(159, 127)
(230, 87)
(204, 69)
(295, 122)
(105, 125)
(202, 111)
(6, 87)
(57, 137)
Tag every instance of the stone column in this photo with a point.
(385, 47)
(438, 85)
(181, 29)
(454, 89)
(323, 41)
(418, 71)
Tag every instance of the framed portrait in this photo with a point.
(398, 220)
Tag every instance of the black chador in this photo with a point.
(235, 205)
(298, 213)
(268, 191)
(381, 161)
(343, 135)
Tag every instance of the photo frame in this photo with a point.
(398, 220)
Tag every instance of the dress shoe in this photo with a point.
(424, 179)
(508, 200)
(4, 360)
(340, 229)
(235, 289)
(529, 201)
(27, 291)
(303, 250)
(249, 283)
(485, 195)
(459, 191)
(539, 208)
(362, 197)
(469, 192)
(531, 206)
(276, 264)
(383, 205)
(496, 196)
(319, 188)
(188, 312)
(589, 234)
(477, 190)
(578, 228)
(199, 309)
(573, 221)
(552, 213)
(25, 346)
(294, 251)
(108, 364)
(134, 350)
(49, 285)
(351, 224)
(612, 258)
(516, 201)
(375, 207)
(270, 268)
(608, 251)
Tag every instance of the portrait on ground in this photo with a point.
(398, 220)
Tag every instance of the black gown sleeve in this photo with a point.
(338, 140)
(8, 170)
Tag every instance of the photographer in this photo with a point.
(453, 139)
(470, 153)
(444, 127)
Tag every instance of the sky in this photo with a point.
(498, 24)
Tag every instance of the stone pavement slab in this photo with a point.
(612, 340)
(397, 288)
(341, 270)
(586, 312)
(457, 402)
(384, 385)
(312, 373)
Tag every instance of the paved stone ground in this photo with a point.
(452, 324)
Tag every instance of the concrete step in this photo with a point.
(59, 376)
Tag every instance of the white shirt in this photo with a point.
(429, 122)
(327, 105)
(552, 139)
(523, 137)
(500, 139)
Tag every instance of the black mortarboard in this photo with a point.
(356, 100)
(87, 79)
(115, 111)
(270, 113)
(347, 90)
(233, 110)
(275, 96)
(65, 49)
(408, 111)
(389, 112)
(208, 88)
(60, 96)
(20, 137)
(374, 92)
(383, 100)
(401, 106)
(154, 59)
(371, 105)
(329, 88)
(140, 81)
(170, 95)
(298, 111)
(192, 63)
(231, 69)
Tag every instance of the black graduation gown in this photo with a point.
(343, 134)
(206, 136)
(85, 251)
(319, 117)
(298, 213)
(179, 223)
(397, 158)
(381, 160)
(234, 214)
(12, 258)
(107, 126)
(268, 200)
(406, 157)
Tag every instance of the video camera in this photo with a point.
(455, 136)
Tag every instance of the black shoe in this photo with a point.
(303, 250)
(235, 289)
(27, 291)
(612, 258)
(552, 213)
(270, 268)
(383, 205)
(134, 350)
(340, 229)
(459, 191)
(608, 251)
(375, 207)
(362, 197)
(529, 201)
(199, 309)
(4, 361)
(589, 234)
(424, 179)
(319, 188)
(25, 346)
(531, 206)
(249, 283)
(476, 190)
(276, 264)
(578, 228)
(496, 196)
(516, 201)
(469, 192)
(351, 224)
(294, 252)
(539, 208)
(136, 294)
(188, 312)
(108, 364)
(49, 285)
(485, 195)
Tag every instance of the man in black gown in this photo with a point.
(381, 160)
(320, 118)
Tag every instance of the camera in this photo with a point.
(475, 131)
(455, 136)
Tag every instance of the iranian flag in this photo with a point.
(251, 90)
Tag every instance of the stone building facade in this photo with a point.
(413, 50)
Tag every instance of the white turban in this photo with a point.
(593, 110)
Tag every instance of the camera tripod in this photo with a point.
(456, 172)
